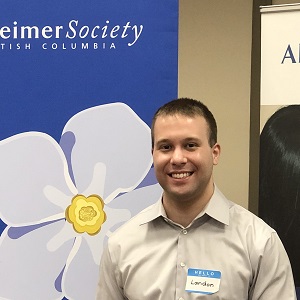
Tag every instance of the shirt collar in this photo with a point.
(217, 208)
(153, 212)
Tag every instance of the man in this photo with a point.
(193, 243)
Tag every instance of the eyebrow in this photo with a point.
(188, 139)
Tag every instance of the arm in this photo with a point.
(108, 288)
(274, 278)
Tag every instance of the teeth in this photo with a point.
(181, 175)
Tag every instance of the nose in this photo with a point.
(178, 157)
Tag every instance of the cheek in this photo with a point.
(202, 160)
(159, 159)
(197, 158)
(159, 173)
(158, 165)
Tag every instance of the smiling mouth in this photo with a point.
(181, 175)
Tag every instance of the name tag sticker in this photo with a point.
(203, 281)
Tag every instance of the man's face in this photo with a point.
(183, 159)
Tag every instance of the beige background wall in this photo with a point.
(215, 67)
(219, 63)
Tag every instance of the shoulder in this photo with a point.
(245, 218)
(237, 218)
(252, 230)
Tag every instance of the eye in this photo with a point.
(191, 146)
(164, 147)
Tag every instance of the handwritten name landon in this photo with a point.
(202, 283)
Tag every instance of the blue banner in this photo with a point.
(80, 81)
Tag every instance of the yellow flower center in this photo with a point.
(86, 214)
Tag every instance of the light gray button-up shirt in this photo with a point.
(152, 258)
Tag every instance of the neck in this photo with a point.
(184, 211)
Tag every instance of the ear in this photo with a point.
(216, 151)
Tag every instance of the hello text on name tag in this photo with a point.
(203, 281)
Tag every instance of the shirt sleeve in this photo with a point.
(108, 288)
(274, 277)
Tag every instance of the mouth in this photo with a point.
(180, 175)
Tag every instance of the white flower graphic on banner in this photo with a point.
(61, 201)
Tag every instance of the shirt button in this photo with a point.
(182, 264)
(184, 231)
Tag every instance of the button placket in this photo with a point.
(181, 264)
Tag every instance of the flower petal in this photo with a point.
(26, 263)
(81, 275)
(115, 217)
(30, 163)
(115, 136)
(138, 199)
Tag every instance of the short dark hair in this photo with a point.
(191, 108)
